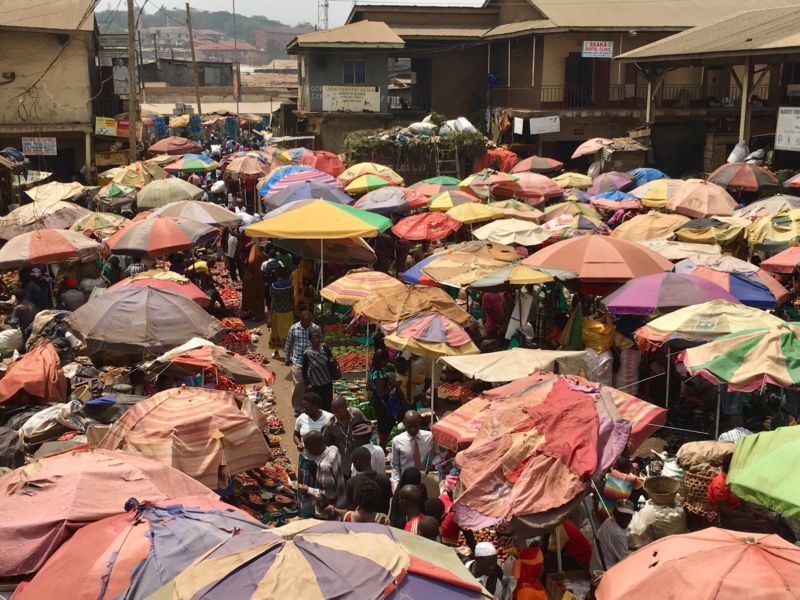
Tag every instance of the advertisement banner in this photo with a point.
(350, 98)
(39, 146)
(539, 125)
(111, 159)
(105, 126)
(787, 132)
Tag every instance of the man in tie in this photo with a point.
(412, 448)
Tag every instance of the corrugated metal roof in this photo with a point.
(60, 15)
(756, 30)
(436, 32)
(520, 27)
(257, 108)
(657, 14)
(372, 34)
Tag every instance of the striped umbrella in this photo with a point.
(99, 222)
(264, 185)
(370, 168)
(359, 284)
(162, 192)
(313, 176)
(157, 236)
(192, 163)
(320, 220)
(748, 359)
(427, 226)
(538, 164)
(201, 432)
(204, 212)
(573, 180)
(367, 183)
(46, 246)
(656, 194)
(431, 334)
(319, 559)
(436, 185)
(742, 177)
(305, 191)
(447, 200)
(172, 283)
(279, 155)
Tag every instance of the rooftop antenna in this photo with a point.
(322, 14)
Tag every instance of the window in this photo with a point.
(355, 71)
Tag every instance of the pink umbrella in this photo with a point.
(591, 146)
(532, 187)
(427, 226)
(785, 261)
(324, 161)
(611, 182)
(184, 288)
(433, 328)
(305, 176)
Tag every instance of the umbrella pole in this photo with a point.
(366, 367)
(669, 368)
(719, 407)
(433, 388)
(558, 548)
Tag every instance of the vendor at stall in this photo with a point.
(611, 544)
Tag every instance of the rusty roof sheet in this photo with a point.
(61, 15)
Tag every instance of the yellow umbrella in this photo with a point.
(474, 213)
(655, 194)
(139, 174)
(320, 220)
(517, 274)
(573, 180)
(366, 183)
(370, 168)
(359, 284)
(450, 199)
(651, 226)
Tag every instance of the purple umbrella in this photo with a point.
(663, 292)
(611, 182)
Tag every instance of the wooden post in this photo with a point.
(194, 60)
(744, 115)
(133, 108)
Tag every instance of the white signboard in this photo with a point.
(39, 146)
(540, 125)
(351, 98)
(787, 133)
(597, 49)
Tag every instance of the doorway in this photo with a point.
(578, 80)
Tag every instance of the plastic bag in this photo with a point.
(597, 335)
(660, 520)
(422, 128)
(11, 338)
(463, 125)
(739, 153)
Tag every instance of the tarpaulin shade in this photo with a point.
(36, 375)
(743, 177)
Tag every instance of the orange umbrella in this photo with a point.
(711, 563)
(246, 167)
(179, 284)
(324, 161)
(698, 199)
(175, 145)
(532, 187)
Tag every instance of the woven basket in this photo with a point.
(661, 490)
(697, 493)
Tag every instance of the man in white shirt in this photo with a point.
(412, 448)
(362, 436)
(612, 538)
(488, 573)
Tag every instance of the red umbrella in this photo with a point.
(324, 161)
(197, 356)
(185, 288)
(538, 164)
(157, 235)
(175, 145)
(532, 187)
(46, 246)
(742, 177)
(427, 226)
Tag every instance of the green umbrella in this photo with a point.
(764, 470)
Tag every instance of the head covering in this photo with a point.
(199, 265)
(71, 281)
(362, 429)
(624, 506)
(485, 549)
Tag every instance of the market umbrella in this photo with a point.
(345, 251)
(264, 185)
(570, 208)
(305, 190)
(702, 323)
(426, 226)
(322, 559)
(615, 201)
(512, 231)
(514, 275)
(139, 174)
(319, 219)
(196, 210)
(253, 154)
(748, 359)
(359, 284)
(576, 195)
(431, 335)
(535, 455)
(728, 232)
(656, 194)
(483, 182)
(473, 213)
(37, 374)
(54, 191)
(46, 246)
(102, 223)
(435, 185)
(591, 146)
(743, 177)
(538, 164)
(388, 308)
(611, 182)
(159, 235)
(316, 177)
(697, 198)
(531, 187)
(192, 163)
(527, 369)
(456, 268)
(768, 206)
(116, 194)
(662, 293)
(763, 470)
(40, 215)
(204, 433)
(369, 168)
(751, 285)
(792, 182)
(201, 356)
(174, 145)
(390, 200)
(573, 180)
(135, 553)
(785, 261)
(444, 201)
(771, 234)
(166, 280)
(367, 183)
(278, 155)
(246, 167)
(134, 319)
(650, 226)
(161, 160)
(599, 258)
(568, 226)
(164, 191)
(710, 563)
(324, 161)
(43, 503)
(645, 175)
(672, 250)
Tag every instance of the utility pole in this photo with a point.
(238, 74)
(194, 60)
(133, 108)
(155, 52)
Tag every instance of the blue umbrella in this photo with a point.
(277, 174)
(415, 274)
(646, 175)
(306, 191)
(616, 195)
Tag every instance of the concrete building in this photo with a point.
(180, 73)
(49, 53)
(228, 51)
(273, 40)
(176, 37)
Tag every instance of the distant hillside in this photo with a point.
(116, 21)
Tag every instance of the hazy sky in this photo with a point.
(288, 11)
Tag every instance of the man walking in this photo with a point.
(297, 341)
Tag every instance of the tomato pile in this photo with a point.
(352, 361)
(237, 341)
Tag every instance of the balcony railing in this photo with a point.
(626, 96)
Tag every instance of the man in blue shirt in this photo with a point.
(296, 343)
